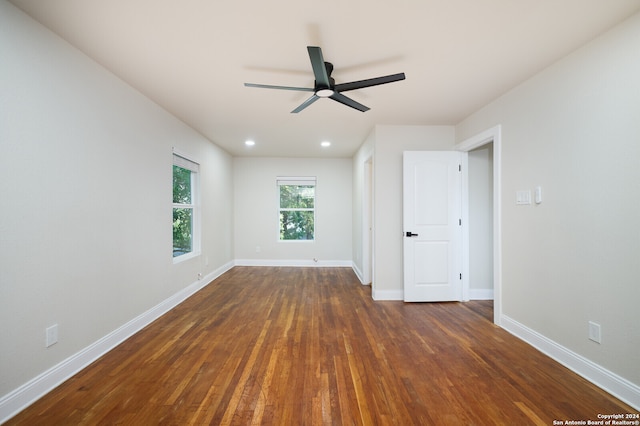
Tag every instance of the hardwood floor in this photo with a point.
(297, 346)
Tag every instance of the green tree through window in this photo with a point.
(297, 212)
(185, 218)
(182, 211)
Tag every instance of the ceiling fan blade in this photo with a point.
(348, 102)
(319, 69)
(305, 104)
(343, 87)
(268, 86)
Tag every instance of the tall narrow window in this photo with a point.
(186, 238)
(297, 208)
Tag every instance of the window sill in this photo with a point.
(182, 258)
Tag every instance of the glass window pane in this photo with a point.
(182, 231)
(296, 196)
(296, 225)
(181, 185)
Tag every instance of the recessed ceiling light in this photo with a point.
(249, 143)
(325, 144)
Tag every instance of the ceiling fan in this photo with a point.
(325, 86)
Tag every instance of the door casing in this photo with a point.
(492, 135)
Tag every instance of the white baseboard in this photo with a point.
(387, 294)
(474, 294)
(20, 398)
(294, 263)
(480, 294)
(358, 273)
(617, 386)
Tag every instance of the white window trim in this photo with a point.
(297, 180)
(188, 162)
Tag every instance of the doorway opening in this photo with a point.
(488, 138)
(480, 202)
(367, 223)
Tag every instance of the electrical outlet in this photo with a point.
(258, 249)
(51, 335)
(595, 333)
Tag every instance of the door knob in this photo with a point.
(410, 234)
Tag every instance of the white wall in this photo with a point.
(85, 210)
(574, 129)
(388, 144)
(256, 211)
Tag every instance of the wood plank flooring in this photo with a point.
(306, 346)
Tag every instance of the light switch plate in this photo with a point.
(523, 197)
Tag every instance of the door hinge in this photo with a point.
(460, 222)
(459, 167)
(460, 275)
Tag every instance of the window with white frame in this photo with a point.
(297, 208)
(186, 220)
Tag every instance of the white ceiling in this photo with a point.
(193, 56)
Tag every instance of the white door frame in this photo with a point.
(490, 135)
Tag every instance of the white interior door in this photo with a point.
(432, 199)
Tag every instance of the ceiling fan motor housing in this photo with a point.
(325, 85)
